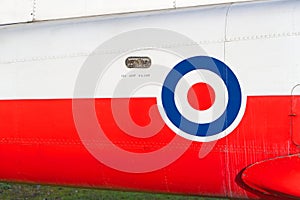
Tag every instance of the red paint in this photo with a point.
(280, 176)
(295, 119)
(201, 96)
(39, 143)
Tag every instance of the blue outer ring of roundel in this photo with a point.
(233, 88)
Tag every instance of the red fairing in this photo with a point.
(278, 176)
(39, 142)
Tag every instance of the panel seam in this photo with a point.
(34, 10)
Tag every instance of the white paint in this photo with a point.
(201, 116)
(255, 20)
(80, 8)
(296, 90)
(17, 11)
(185, 3)
(108, 84)
(262, 45)
(42, 60)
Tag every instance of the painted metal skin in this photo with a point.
(43, 118)
(286, 169)
(38, 10)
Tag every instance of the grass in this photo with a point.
(12, 191)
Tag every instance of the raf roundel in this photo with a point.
(202, 99)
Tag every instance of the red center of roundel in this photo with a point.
(201, 96)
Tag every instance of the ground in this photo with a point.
(12, 191)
